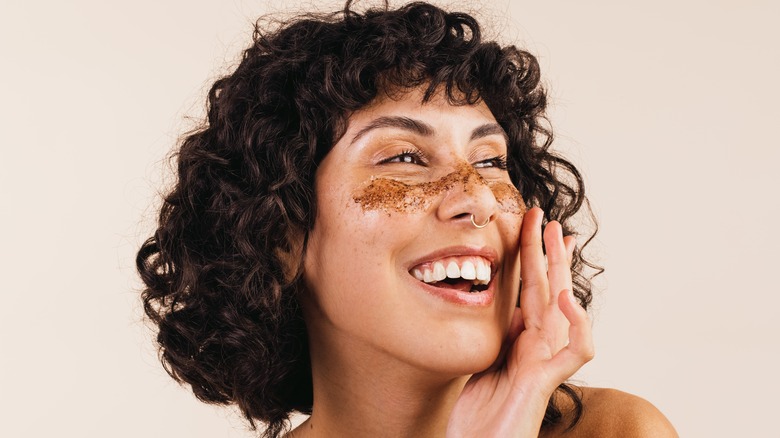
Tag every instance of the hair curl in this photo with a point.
(219, 283)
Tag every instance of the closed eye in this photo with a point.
(497, 162)
(410, 156)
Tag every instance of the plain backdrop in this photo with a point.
(670, 108)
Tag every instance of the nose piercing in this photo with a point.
(473, 222)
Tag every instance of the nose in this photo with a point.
(469, 202)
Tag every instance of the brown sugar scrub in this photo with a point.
(509, 199)
(391, 195)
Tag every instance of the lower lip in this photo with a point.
(479, 299)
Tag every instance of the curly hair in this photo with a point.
(223, 270)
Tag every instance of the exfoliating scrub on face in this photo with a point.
(391, 195)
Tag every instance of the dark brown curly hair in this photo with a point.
(223, 269)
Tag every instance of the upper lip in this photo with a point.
(485, 252)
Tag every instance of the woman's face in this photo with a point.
(395, 197)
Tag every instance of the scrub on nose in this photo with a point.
(391, 195)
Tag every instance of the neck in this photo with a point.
(359, 391)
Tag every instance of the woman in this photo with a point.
(348, 234)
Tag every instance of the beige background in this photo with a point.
(669, 107)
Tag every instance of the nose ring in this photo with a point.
(473, 222)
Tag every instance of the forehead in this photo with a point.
(438, 111)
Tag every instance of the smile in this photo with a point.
(463, 273)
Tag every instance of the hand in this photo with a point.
(548, 340)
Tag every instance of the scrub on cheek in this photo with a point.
(394, 196)
(509, 199)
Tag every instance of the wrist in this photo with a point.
(531, 393)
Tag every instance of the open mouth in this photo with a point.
(466, 274)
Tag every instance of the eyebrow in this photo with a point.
(404, 123)
(425, 129)
(488, 129)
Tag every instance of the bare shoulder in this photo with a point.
(612, 413)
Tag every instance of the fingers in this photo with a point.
(543, 279)
(534, 295)
(516, 325)
(532, 266)
(558, 261)
(580, 349)
(570, 243)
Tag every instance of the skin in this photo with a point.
(388, 357)
(609, 413)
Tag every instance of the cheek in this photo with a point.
(390, 196)
(508, 198)
(511, 209)
(351, 251)
(353, 277)
(355, 232)
(509, 229)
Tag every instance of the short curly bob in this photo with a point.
(217, 275)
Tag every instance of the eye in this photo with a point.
(410, 156)
(497, 162)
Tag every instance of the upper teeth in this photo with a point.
(472, 268)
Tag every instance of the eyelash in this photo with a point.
(499, 162)
(416, 155)
(418, 158)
